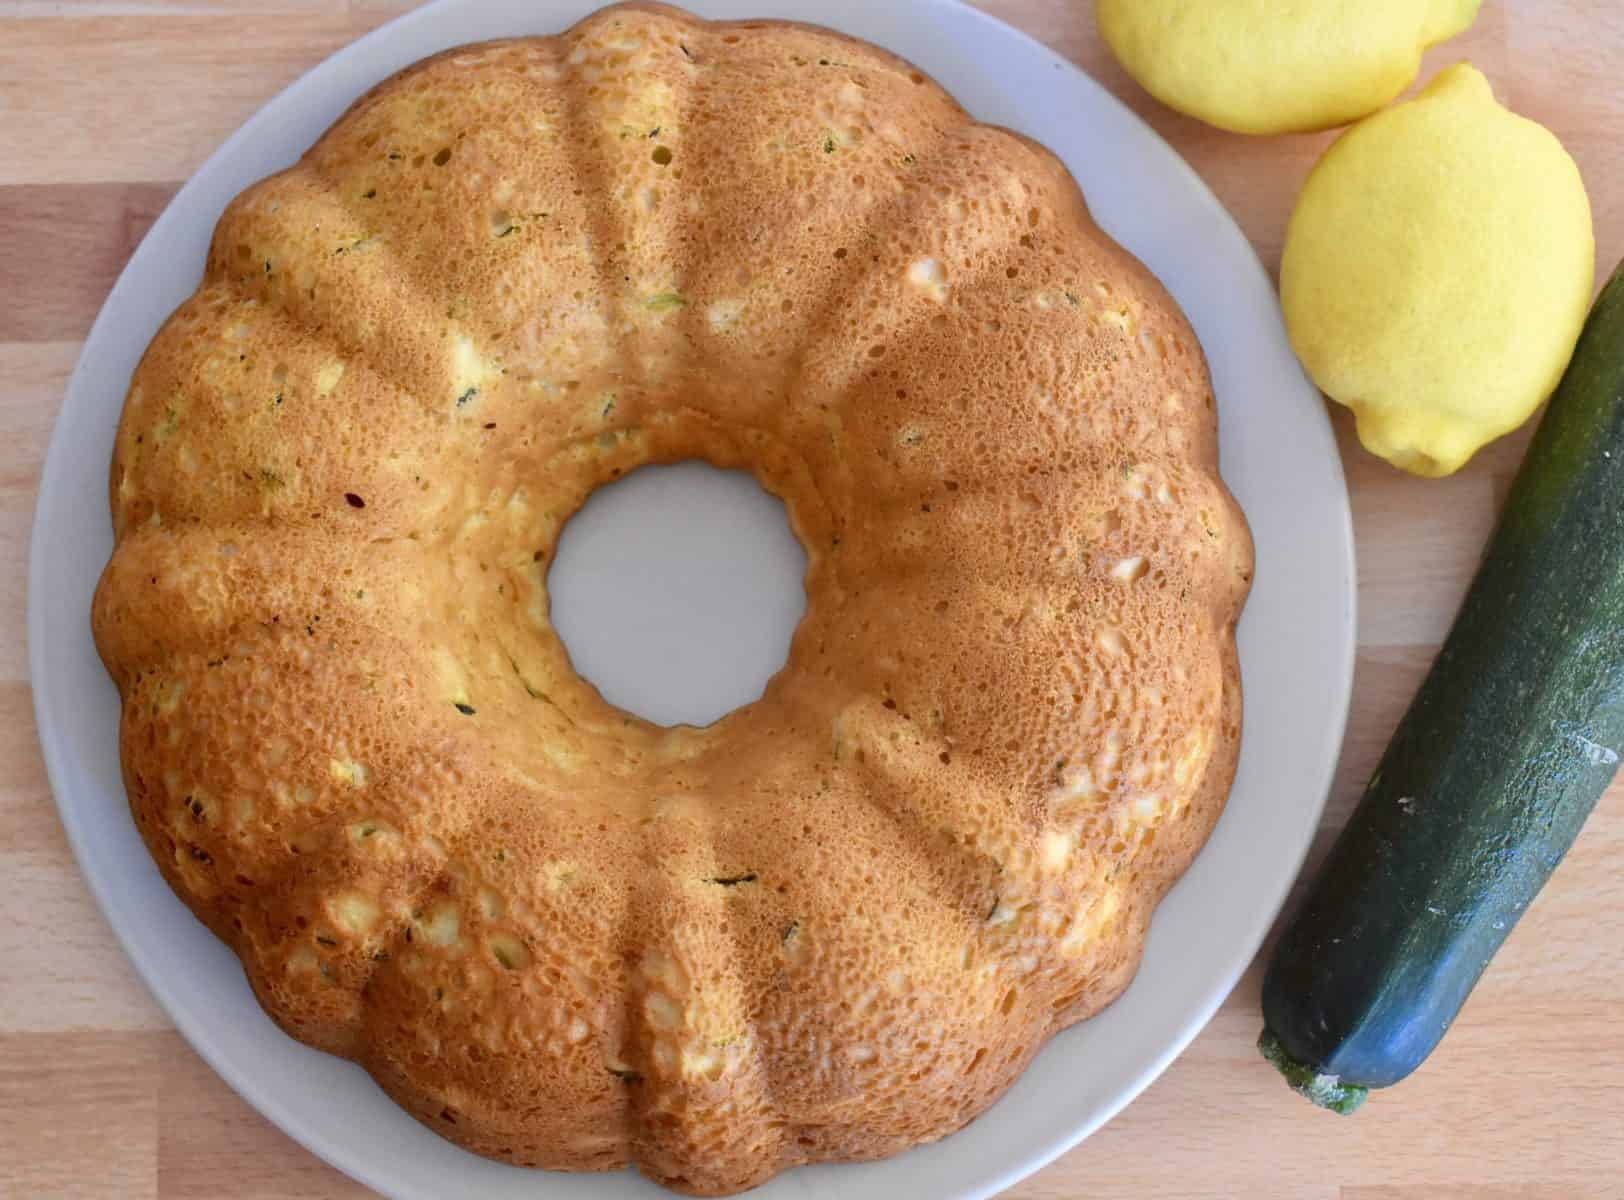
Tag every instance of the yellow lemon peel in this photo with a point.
(1277, 66)
(1437, 271)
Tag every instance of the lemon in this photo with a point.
(1277, 66)
(1437, 270)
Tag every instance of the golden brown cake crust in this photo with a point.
(839, 921)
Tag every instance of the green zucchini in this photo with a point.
(1515, 734)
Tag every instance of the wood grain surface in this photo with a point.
(106, 105)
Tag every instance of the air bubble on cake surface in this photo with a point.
(327, 377)
(1079, 784)
(355, 913)
(562, 754)
(796, 947)
(1110, 639)
(930, 277)
(1097, 907)
(661, 968)
(441, 925)
(370, 829)
(523, 778)
(1055, 849)
(1117, 318)
(1004, 913)
(702, 1062)
(169, 697)
(724, 314)
(1129, 570)
(663, 1012)
(348, 771)
(1145, 809)
(167, 424)
(666, 1057)
(470, 370)
(451, 675)
(491, 904)
(518, 504)
(1191, 761)
(508, 950)
(558, 874)
(1110, 754)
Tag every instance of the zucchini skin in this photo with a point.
(1513, 737)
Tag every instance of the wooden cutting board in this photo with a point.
(106, 105)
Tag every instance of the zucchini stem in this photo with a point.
(1327, 1091)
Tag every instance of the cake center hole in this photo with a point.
(676, 591)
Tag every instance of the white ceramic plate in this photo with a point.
(1296, 638)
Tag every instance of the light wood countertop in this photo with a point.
(105, 105)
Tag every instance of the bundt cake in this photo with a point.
(835, 923)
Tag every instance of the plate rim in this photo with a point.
(207, 1044)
